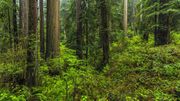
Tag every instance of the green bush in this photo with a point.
(7, 96)
(135, 73)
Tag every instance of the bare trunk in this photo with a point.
(31, 58)
(42, 42)
(87, 38)
(104, 32)
(15, 25)
(9, 29)
(125, 17)
(23, 22)
(79, 31)
(52, 39)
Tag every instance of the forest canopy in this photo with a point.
(89, 50)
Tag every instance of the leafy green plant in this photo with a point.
(7, 96)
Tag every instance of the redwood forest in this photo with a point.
(89, 50)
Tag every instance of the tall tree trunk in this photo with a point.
(20, 17)
(162, 33)
(15, 25)
(23, 21)
(87, 38)
(104, 32)
(109, 15)
(23, 26)
(133, 15)
(9, 29)
(31, 58)
(52, 39)
(79, 38)
(42, 42)
(125, 17)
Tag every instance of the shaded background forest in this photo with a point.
(89, 50)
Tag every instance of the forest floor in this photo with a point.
(139, 72)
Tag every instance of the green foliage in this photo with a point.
(9, 69)
(136, 72)
(176, 38)
(148, 9)
(6, 95)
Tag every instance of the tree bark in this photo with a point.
(15, 35)
(23, 22)
(87, 38)
(104, 32)
(9, 29)
(42, 40)
(52, 39)
(79, 32)
(125, 17)
(31, 69)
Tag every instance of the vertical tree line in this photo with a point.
(104, 32)
(23, 13)
(50, 39)
(125, 17)
(15, 25)
(79, 29)
(31, 70)
(42, 34)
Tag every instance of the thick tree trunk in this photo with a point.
(79, 32)
(104, 32)
(52, 39)
(42, 42)
(162, 33)
(15, 35)
(31, 69)
(23, 23)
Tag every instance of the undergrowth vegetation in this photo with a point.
(139, 72)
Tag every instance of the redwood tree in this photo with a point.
(15, 24)
(42, 42)
(31, 77)
(79, 30)
(52, 39)
(104, 32)
(23, 15)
